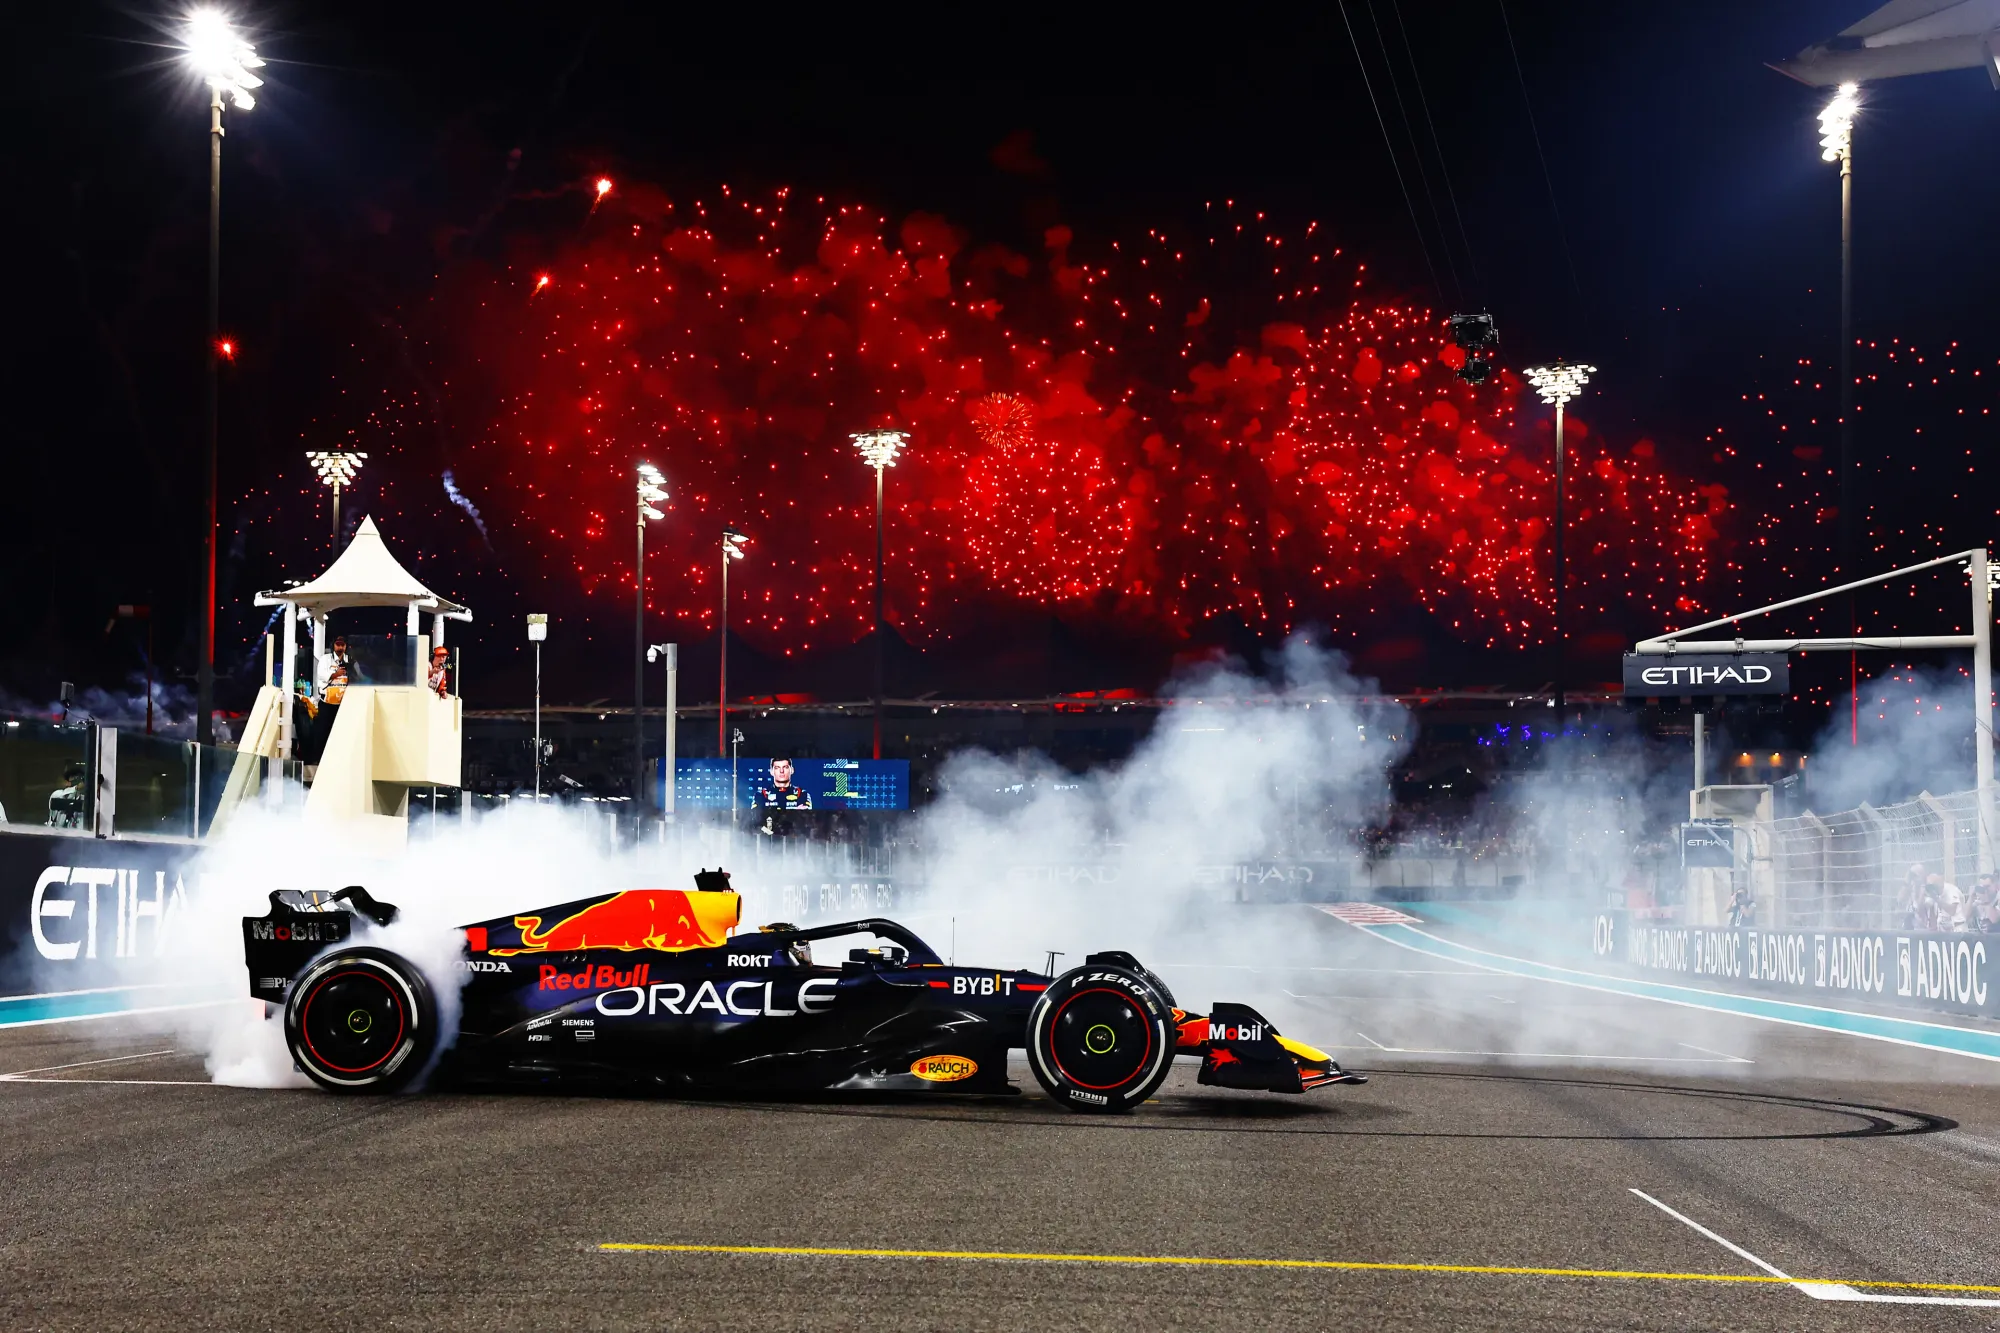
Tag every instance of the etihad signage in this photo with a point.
(1670, 675)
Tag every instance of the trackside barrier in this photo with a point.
(79, 912)
(1944, 973)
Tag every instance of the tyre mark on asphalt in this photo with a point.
(1229, 1115)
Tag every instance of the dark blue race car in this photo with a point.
(650, 988)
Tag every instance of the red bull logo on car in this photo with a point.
(661, 919)
(601, 977)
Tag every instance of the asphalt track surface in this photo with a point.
(1691, 1162)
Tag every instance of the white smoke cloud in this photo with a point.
(1026, 858)
(1023, 858)
(511, 860)
(1914, 734)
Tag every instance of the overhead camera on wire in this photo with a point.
(1478, 338)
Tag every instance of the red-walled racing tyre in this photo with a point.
(1101, 1038)
(361, 1020)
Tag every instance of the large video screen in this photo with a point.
(791, 784)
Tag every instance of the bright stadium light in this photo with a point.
(652, 490)
(1836, 123)
(221, 58)
(336, 469)
(879, 449)
(1558, 384)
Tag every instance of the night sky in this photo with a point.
(1080, 506)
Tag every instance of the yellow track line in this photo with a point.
(1344, 1265)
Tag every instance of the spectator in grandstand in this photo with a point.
(1951, 903)
(1914, 898)
(440, 674)
(66, 801)
(1742, 907)
(1949, 910)
(1984, 909)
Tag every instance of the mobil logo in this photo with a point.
(600, 976)
(329, 931)
(1236, 1031)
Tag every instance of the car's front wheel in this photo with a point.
(361, 1020)
(1101, 1038)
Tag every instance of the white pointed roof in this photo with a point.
(365, 574)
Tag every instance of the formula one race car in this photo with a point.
(648, 987)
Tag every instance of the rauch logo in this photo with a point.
(944, 1068)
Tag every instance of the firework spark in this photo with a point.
(1227, 422)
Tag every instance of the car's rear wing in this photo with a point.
(298, 928)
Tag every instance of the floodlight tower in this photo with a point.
(223, 61)
(651, 489)
(337, 470)
(538, 632)
(1558, 384)
(879, 449)
(1836, 144)
(733, 543)
(672, 652)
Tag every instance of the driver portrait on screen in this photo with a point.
(780, 793)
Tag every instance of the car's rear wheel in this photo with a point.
(1100, 1039)
(361, 1020)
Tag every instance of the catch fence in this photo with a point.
(1854, 870)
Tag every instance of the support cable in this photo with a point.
(1416, 152)
(1465, 240)
(1562, 235)
(1389, 144)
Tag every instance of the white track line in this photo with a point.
(1819, 1291)
(120, 1082)
(93, 990)
(1466, 971)
(1707, 1057)
(79, 1064)
(1690, 990)
(1550, 1055)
